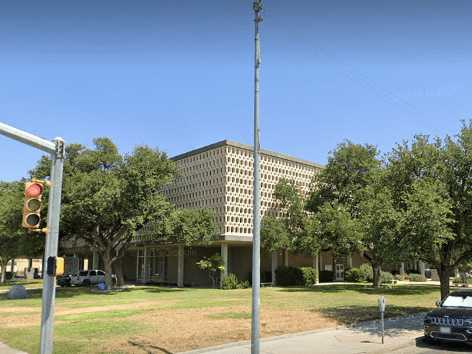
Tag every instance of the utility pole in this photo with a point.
(256, 240)
(56, 150)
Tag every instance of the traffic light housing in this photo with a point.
(32, 205)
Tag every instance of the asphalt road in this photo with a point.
(420, 347)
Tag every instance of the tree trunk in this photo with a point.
(444, 274)
(108, 265)
(118, 267)
(376, 270)
(3, 273)
(30, 264)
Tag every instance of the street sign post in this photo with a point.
(382, 312)
(56, 150)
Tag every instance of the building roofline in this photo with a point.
(246, 147)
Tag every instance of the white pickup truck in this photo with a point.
(88, 277)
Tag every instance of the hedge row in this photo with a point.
(297, 276)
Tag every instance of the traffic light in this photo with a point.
(55, 266)
(32, 207)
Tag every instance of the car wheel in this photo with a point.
(429, 340)
(86, 282)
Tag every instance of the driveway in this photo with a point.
(7, 350)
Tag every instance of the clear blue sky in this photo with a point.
(178, 74)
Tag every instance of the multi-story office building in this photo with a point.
(220, 177)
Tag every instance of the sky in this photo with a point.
(178, 75)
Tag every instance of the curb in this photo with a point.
(267, 339)
(373, 323)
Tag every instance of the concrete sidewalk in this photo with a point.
(4, 349)
(362, 339)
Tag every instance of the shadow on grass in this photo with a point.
(446, 347)
(147, 347)
(351, 315)
(23, 282)
(368, 289)
(70, 292)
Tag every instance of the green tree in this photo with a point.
(448, 162)
(350, 168)
(213, 266)
(379, 224)
(108, 197)
(427, 227)
(14, 240)
(189, 227)
(337, 229)
(274, 234)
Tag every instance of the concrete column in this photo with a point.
(286, 258)
(180, 266)
(274, 265)
(421, 268)
(224, 256)
(402, 268)
(316, 266)
(95, 260)
(137, 264)
(145, 266)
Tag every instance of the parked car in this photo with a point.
(89, 277)
(64, 280)
(452, 320)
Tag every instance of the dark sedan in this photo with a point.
(64, 280)
(452, 320)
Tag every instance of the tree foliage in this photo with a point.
(108, 197)
(354, 207)
(432, 180)
(14, 240)
(349, 169)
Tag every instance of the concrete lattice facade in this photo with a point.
(220, 177)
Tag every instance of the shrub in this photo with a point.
(326, 276)
(353, 275)
(244, 284)
(401, 277)
(367, 274)
(229, 282)
(286, 276)
(386, 277)
(309, 277)
(416, 277)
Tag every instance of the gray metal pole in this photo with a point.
(27, 138)
(256, 242)
(49, 281)
(56, 149)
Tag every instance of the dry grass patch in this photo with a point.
(181, 330)
(166, 320)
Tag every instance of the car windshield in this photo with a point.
(458, 301)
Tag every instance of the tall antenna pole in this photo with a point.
(256, 241)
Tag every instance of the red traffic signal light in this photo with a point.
(33, 189)
(32, 205)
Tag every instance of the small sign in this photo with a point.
(382, 304)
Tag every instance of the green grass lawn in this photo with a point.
(154, 319)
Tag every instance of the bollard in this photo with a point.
(382, 312)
